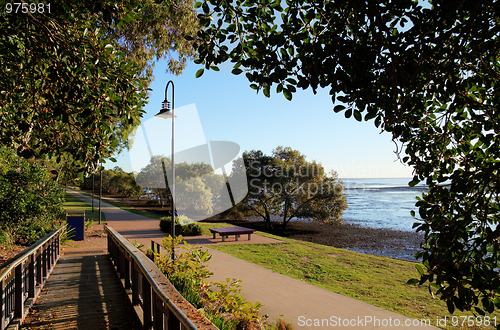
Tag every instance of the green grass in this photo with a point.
(74, 204)
(379, 281)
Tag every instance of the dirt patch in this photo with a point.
(95, 230)
(8, 253)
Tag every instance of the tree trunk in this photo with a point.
(268, 219)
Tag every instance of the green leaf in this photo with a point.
(338, 108)
(420, 270)
(451, 307)
(479, 311)
(236, 71)
(279, 88)
(287, 94)
(348, 113)
(266, 91)
(199, 73)
(357, 115)
(412, 281)
(205, 8)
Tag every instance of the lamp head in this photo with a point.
(165, 106)
(165, 111)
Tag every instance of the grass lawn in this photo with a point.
(74, 204)
(124, 207)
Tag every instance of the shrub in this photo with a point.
(150, 253)
(29, 199)
(184, 284)
(193, 229)
(6, 238)
(220, 321)
(27, 233)
(166, 225)
(188, 272)
(183, 226)
(66, 234)
(282, 325)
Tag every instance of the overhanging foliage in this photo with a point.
(427, 73)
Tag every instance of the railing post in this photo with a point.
(157, 313)
(121, 258)
(39, 266)
(146, 303)
(49, 256)
(58, 245)
(31, 277)
(173, 322)
(44, 262)
(110, 247)
(135, 286)
(127, 272)
(19, 292)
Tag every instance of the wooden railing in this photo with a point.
(158, 303)
(22, 280)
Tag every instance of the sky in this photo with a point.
(222, 107)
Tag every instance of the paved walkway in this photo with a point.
(307, 306)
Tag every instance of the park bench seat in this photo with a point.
(237, 231)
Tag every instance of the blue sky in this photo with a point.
(229, 110)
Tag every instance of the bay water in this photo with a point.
(381, 203)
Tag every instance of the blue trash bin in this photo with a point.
(76, 222)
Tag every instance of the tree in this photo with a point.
(194, 196)
(198, 187)
(157, 31)
(29, 199)
(427, 73)
(64, 89)
(286, 185)
(152, 177)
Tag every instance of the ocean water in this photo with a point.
(381, 203)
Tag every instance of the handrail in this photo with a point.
(22, 280)
(163, 307)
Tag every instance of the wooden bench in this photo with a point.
(237, 231)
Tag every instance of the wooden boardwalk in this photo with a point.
(83, 292)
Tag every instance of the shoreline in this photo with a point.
(384, 242)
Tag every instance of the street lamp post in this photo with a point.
(93, 176)
(166, 113)
(100, 194)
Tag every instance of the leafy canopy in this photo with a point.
(426, 72)
(74, 81)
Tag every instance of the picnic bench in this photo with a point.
(237, 231)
